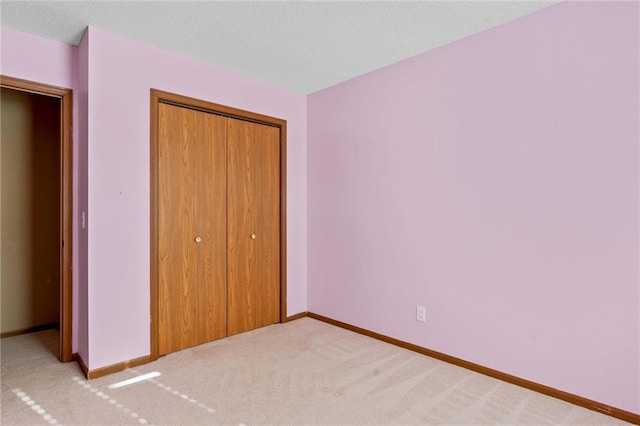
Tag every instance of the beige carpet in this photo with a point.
(303, 372)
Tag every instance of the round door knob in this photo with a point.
(197, 239)
(253, 236)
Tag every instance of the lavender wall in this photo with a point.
(111, 77)
(82, 128)
(495, 181)
(45, 61)
(121, 73)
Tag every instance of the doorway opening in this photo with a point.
(36, 212)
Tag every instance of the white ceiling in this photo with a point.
(301, 45)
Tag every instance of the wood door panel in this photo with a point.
(192, 184)
(253, 208)
(267, 166)
(212, 228)
(217, 173)
(240, 210)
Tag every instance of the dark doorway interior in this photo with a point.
(30, 212)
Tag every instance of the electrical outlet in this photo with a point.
(421, 314)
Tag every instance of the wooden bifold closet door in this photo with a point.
(253, 231)
(218, 226)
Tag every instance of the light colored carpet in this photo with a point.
(302, 372)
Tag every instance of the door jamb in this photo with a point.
(157, 97)
(66, 200)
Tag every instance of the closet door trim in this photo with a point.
(158, 97)
(66, 202)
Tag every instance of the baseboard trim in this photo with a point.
(565, 396)
(83, 366)
(29, 330)
(295, 317)
(109, 369)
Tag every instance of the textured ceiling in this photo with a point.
(301, 45)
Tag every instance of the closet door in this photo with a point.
(253, 202)
(191, 228)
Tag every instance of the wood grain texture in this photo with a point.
(66, 216)
(66, 200)
(241, 215)
(192, 187)
(565, 396)
(33, 87)
(253, 200)
(282, 125)
(224, 110)
(154, 264)
(266, 148)
(159, 97)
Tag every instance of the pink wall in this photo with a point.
(495, 181)
(121, 73)
(81, 107)
(111, 77)
(45, 61)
